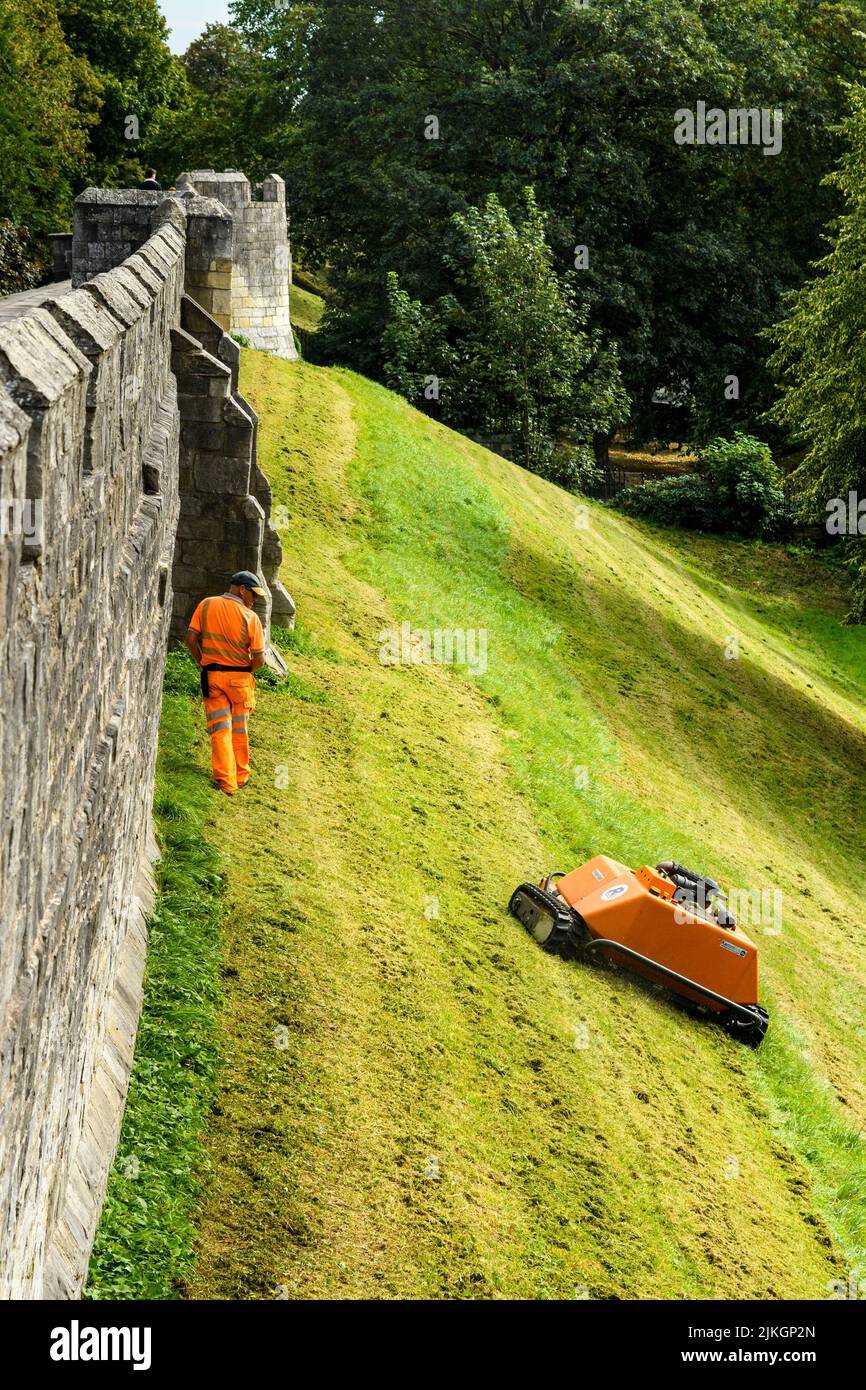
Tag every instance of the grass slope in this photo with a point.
(306, 308)
(417, 1102)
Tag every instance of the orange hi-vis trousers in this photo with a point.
(231, 701)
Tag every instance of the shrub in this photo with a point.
(571, 466)
(747, 485)
(685, 501)
(738, 493)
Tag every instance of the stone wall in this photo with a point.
(110, 224)
(129, 488)
(223, 525)
(88, 404)
(222, 521)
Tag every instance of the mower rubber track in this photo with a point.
(532, 907)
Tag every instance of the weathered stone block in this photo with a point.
(216, 474)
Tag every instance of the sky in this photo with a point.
(187, 18)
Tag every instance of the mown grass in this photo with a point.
(633, 657)
(414, 1101)
(144, 1245)
(407, 1107)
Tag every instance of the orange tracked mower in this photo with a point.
(668, 924)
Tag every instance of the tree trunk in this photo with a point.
(601, 448)
(601, 445)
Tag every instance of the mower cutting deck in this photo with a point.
(668, 924)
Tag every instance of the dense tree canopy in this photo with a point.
(49, 100)
(821, 354)
(411, 112)
(392, 119)
(125, 43)
(514, 356)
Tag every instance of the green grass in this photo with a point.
(404, 1111)
(422, 570)
(306, 308)
(144, 1245)
(416, 1102)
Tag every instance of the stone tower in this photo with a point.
(262, 267)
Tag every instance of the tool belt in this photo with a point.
(213, 667)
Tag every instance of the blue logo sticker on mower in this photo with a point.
(615, 892)
(597, 873)
(736, 950)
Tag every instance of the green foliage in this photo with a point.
(17, 270)
(689, 248)
(414, 343)
(515, 357)
(571, 466)
(820, 355)
(125, 43)
(234, 104)
(684, 501)
(746, 485)
(48, 101)
(215, 60)
(821, 342)
(739, 493)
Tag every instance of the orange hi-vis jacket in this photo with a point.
(230, 634)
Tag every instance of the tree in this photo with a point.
(238, 104)
(517, 357)
(49, 99)
(415, 344)
(125, 42)
(216, 60)
(689, 248)
(820, 352)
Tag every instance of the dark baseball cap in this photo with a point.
(247, 580)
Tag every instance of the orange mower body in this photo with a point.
(666, 923)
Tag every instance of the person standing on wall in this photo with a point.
(226, 639)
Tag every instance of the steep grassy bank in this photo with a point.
(416, 1101)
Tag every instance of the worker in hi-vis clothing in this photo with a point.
(226, 639)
